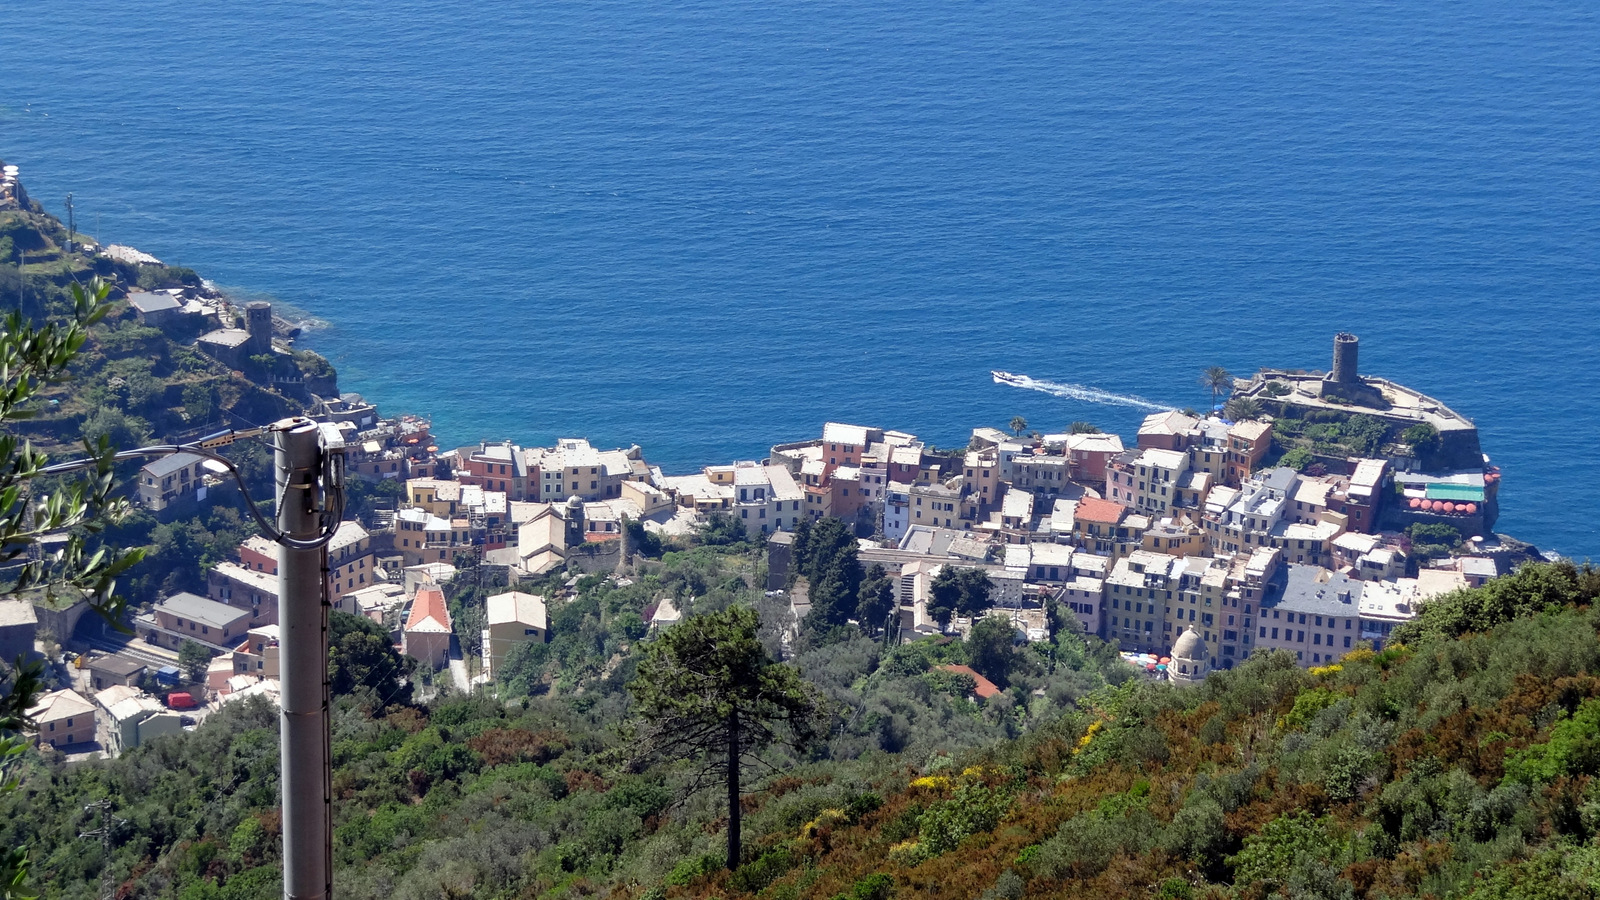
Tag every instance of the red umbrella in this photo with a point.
(1415, 503)
(1472, 509)
(1449, 507)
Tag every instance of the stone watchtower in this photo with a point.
(258, 321)
(1344, 382)
(1346, 349)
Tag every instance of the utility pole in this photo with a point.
(72, 223)
(303, 620)
(108, 823)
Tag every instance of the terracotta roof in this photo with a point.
(429, 613)
(1093, 509)
(984, 688)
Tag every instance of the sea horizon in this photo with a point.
(709, 228)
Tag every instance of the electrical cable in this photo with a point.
(332, 473)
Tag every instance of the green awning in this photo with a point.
(1458, 492)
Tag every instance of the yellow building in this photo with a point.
(513, 618)
(437, 496)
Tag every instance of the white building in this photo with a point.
(896, 511)
(765, 498)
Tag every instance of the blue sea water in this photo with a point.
(709, 226)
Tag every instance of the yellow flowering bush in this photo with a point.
(826, 818)
(1083, 742)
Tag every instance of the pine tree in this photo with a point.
(706, 691)
(834, 571)
(958, 591)
(876, 600)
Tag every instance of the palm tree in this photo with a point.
(1241, 409)
(1218, 380)
(1018, 425)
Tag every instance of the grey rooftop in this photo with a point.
(199, 609)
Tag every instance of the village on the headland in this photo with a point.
(1310, 513)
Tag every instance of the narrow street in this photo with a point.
(458, 667)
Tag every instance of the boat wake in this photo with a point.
(1080, 392)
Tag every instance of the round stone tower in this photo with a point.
(1346, 349)
(258, 321)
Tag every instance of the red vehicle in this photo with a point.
(180, 700)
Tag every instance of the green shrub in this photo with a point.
(1009, 886)
(956, 684)
(973, 809)
(860, 805)
(873, 887)
(1573, 749)
(1297, 459)
(903, 826)
(1282, 846)
(1176, 888)
(1434, 533)
(764, 869)
(694, 867)
(1085, 844)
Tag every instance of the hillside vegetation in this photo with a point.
(139, 385)
(1461, 764)
(130, 381)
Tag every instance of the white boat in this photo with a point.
(1007, 378)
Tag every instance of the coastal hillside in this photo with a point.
(141, 378)
(137, 379)
(1460, 762)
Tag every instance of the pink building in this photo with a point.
(842, 445)
(495, 466)
(905, 464)
(1088, 454)
(1169, 430)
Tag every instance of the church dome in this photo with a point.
(1190, 648)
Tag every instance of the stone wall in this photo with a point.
(595, 557)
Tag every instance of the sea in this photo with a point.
(709, 226)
